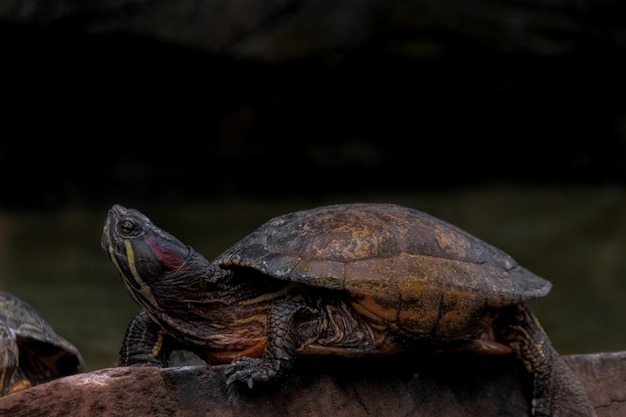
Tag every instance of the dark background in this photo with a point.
(94, 117)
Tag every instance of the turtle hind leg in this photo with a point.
(557, 391)
(290, 326)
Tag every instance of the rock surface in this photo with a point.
(441, 385)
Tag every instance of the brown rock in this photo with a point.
(400, 386)
(604, 378)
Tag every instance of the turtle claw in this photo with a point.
(249, 371)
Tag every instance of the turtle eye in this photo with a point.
(126, 227)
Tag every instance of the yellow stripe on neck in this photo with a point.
(144, 289)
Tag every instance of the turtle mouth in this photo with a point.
(121, 255)
(107, 241)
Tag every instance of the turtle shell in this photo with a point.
(396, 260)
(32, 352)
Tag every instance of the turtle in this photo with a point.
(346, 280)
(31, 352)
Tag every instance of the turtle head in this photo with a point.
(152, 263)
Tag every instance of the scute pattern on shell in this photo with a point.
(385, 250)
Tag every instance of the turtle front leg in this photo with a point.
(557, 392)
(145, 344)
(291, 325)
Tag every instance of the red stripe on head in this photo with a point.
(169, 257)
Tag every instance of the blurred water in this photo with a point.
(575, 237)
